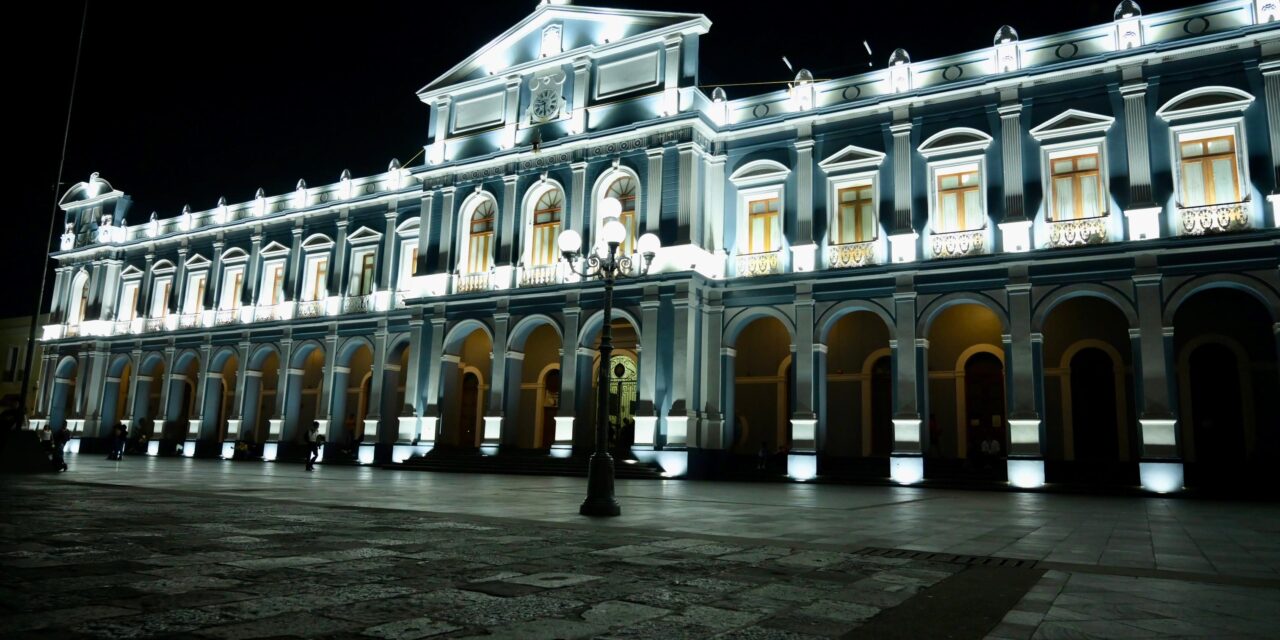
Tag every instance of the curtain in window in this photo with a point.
(1193, 192)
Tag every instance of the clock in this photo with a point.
(545, 105)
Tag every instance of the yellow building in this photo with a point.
(13, 349)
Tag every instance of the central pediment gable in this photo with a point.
(555, 29)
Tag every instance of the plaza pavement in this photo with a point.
(171, 547)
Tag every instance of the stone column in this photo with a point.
(646, 416)
(424, 236)
(148, 286)
(508, 253)
(429, 403)
(202, 386)
(683, 366)
(448, 237)
(1026, 431)
(377, 373)
(166, 384)
(911, 379)
(581, 85)
(804, 252)
(408, 430)
(388, 260)
(714, 212)
(803, 419)
(512, 374)
(249, 294)
(56, 303)
(688, 216)
(1160, 465)
(493, 418)
(671, 76)
(178, 292)
(568, 371)
(578, 205)
(326, 390)
(653, 193)
(1142, 212)
(96, 374)
(711, 433)
(215, 276)
(339, 279)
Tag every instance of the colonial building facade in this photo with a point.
(1052, 259)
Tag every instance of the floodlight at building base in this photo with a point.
(188, 449)
(675, 464)
(906, 469)
(646, 430)
(366, 453)
(1160, 477)
(269, 451)
(1026, 474)
(677, 431)
(492, 429)
(802, 467)
(228, 450)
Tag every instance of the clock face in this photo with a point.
(545, 105)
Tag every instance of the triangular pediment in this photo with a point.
(197, 261)
(274, 248)
(364, 234)
(851, 157)
(1070, 123)
(580, 28)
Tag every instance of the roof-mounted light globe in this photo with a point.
(1127, 9)
(899, 57)
(569, 242)
(1006, 35)
(613, 232)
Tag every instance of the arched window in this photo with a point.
(624, 190)
(79, 299)
(480, 238)
(546, 227)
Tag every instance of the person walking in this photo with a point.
(313, 445)
(60, 440)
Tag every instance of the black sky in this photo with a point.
(183, 102)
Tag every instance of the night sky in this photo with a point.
(183, 102)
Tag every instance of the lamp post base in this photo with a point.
(600, 501)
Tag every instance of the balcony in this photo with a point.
(1075, 233)
(153, 324)
(310, 309)
(226, 316)
(267, 313)
(189, 320)
(466, 283)
(958, 244)
(1214, 218)
(542, 275)
(853, 254)
(765, 263)
(358, 304)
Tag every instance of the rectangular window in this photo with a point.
(128, 303)
(195, 294)
(365, 283)
(959, 201)
(479, 241)
(1209, 169)
(763, 234)
(856, 216)
(273, 282)
(319, 277)
(1076, 185)
(233, 288)
(160, 306)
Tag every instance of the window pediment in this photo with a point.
(955, 140)
(759, 172)
(197, 261)
(1204, 101)
(163, 266)
(274, 249)
(850, 158)
(131, 272)
(364, 235)
(234, 255)
(408, 227)
(1072, 122)
(316, 242)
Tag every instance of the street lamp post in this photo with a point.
(608, 268)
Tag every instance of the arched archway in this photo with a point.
(1090, 411)
(261, 394)
(352, 384)
(305, 393)
(966, 390)
(622, 401)
(530, 403)
(1229, 411)
(62, 396)
(146, 403)
(858, 409)
(219, 394)
(761, 401)
(465, 374)
(182, 402)
(115, 393)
